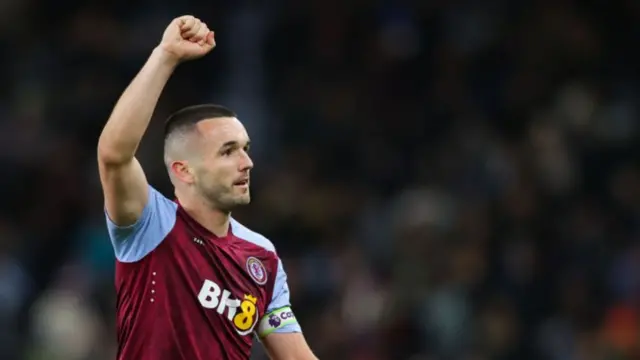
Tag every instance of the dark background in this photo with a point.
(444, 179)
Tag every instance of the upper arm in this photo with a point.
(124, 187)
(133, 242)
(279, 317)
(279, 330)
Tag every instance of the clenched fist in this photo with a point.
(187, 38)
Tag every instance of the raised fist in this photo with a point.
(187, 38)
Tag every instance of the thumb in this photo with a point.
(211, 38)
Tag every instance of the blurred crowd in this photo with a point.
(445, 180)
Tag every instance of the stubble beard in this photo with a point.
(224, 199)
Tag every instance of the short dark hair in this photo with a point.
(191, 115)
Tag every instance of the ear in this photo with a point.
(182, 171)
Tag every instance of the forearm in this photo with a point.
(131, 115)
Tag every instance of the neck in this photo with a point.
(214, 220)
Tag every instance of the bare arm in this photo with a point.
(288, 346)
(123, 181)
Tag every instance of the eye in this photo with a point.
(227, 152)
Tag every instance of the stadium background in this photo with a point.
(444, 179)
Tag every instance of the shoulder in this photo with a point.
(134, 242)
(251, 236)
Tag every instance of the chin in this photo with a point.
(244, 200)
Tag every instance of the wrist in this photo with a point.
(165, 57)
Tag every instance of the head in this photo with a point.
(206, 150)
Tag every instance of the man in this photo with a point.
(192, 282)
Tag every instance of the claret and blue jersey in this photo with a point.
(184, 293)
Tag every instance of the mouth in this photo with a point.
(241, 183)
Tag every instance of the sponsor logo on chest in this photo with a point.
(242, 313)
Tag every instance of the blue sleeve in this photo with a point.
(281, 300)
(134, 242)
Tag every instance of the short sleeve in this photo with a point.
(279, 317)
(134, 242)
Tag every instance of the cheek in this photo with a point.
(218, 175)
(205, 176)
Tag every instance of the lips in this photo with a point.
(241, 182)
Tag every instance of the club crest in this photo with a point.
(256, 269)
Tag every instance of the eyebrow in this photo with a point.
(233, 143)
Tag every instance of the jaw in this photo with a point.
(236, 198)
(243, 199)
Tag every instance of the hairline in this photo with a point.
(184, 132)
(192, 115)
(184, 122)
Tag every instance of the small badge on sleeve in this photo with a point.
(275, 320)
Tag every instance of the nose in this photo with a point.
(246, 163)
